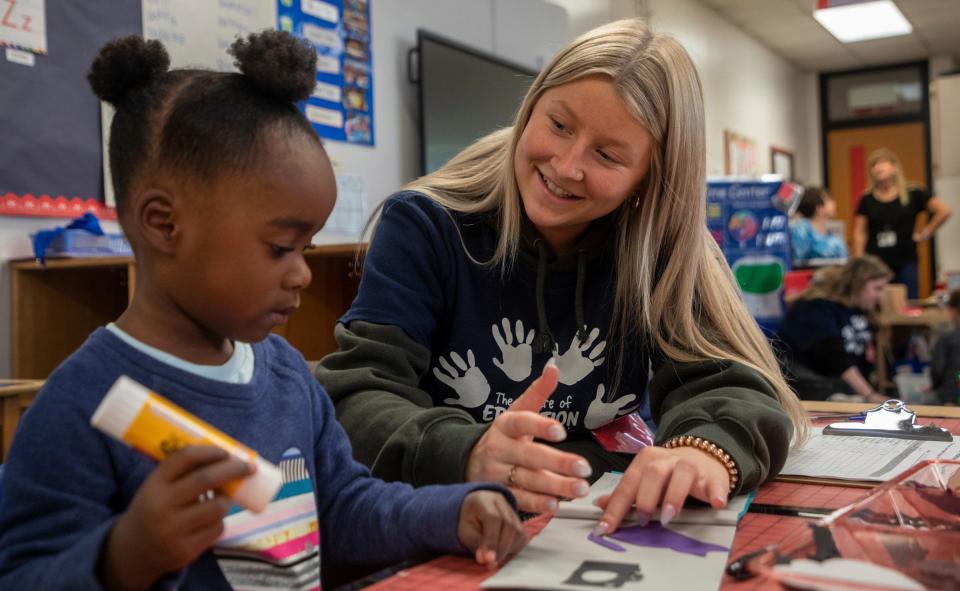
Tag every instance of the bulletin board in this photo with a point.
(341, 107)
(50, 145)
(50, 148)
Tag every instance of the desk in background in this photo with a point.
(54, 307)
(755, 530)
(926, 319)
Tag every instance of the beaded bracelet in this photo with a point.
(710, 448)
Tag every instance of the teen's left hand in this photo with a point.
(490, 528)
(664, 477)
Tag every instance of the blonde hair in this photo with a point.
(685, 298)
(889, 156)
(848, 281)
(843, 283)
(822, 282)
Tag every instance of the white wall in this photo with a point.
(946, 169)
(747, 88)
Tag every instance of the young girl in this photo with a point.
(827, 331)
(886, 218)
(221, 185)
(579, 235)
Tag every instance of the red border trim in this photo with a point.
(53, 207)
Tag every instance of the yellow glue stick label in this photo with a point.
(161, 428)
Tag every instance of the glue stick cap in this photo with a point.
(257, 490)
(120, 407)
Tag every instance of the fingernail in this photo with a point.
(643, 518)
(552, 362)
(721, 500)
(601, 529)
(581, 489)
(557, 433)
(667, 513)
(582, 469)
(491, 557)
(552, 505)
(596, 502)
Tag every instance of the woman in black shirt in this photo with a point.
(885, 222)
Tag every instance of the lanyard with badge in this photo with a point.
(886, 238)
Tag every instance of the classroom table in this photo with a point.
(754, 531)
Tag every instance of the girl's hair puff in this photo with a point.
(195, 125)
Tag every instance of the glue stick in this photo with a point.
(148, 422)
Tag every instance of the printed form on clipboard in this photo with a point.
(885, 444)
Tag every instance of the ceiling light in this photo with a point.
(864, 20)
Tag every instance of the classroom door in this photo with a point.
(847, 153)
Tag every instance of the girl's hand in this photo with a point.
(535, 473)
(166, 527)
(489, 527)
(664, 477)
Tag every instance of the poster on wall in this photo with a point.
(740, 156)
(341, 107)
(50, 140)
(749, 222)
(23, 26)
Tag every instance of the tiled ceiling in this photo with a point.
(788, 28)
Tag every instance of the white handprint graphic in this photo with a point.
(517, 358)
(472, 387)
(600, 413)
(578, 362)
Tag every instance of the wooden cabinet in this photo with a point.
(16, 396)
(54, 307)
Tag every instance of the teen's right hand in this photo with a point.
(166, 527)
(535, 473)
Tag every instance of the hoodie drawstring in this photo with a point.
(545, 340)
(578, 298)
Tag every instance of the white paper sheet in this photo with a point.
(850, 457)
(561, 557)
(584, 508)
(199, 33)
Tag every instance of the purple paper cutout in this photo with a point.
(606, 543)
(654, 535)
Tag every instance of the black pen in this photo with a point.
(788, 511)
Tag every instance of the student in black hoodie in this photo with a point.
(577, 236)
(827, 331)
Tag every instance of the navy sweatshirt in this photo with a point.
(65, 483)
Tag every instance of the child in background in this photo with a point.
(221, 184)
(810, 236)
(829, 344)
(945, 360)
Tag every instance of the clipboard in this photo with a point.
(890, 419)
